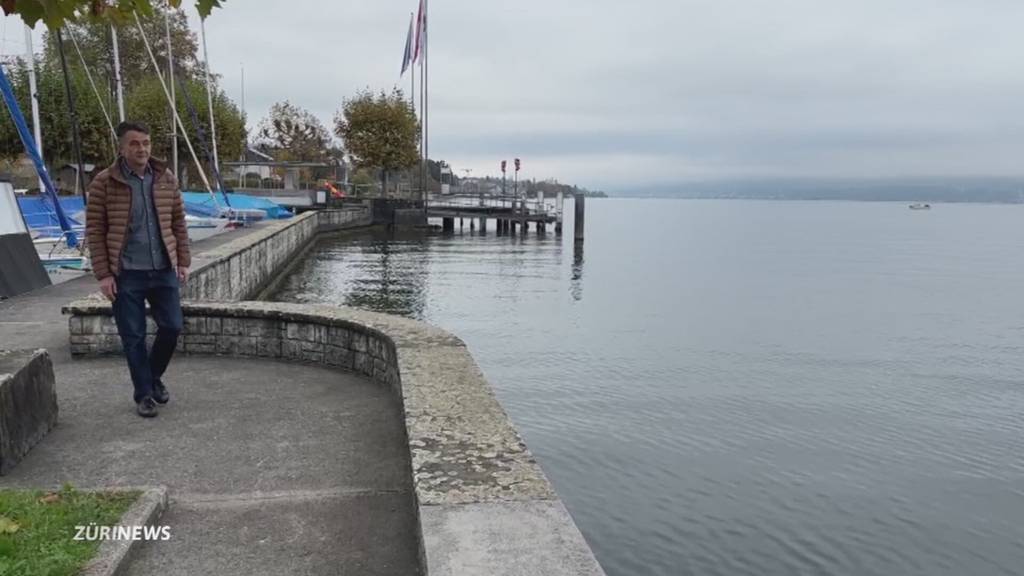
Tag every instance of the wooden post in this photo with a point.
(559, 205)
(580, 202)
(448, 224)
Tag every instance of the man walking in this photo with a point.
(135, 223)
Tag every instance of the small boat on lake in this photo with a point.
(919, 206)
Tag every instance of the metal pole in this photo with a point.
(577, 225)
(174, 100)
(76, 143)
(245, 142)
(426, 82)
(33, 93)
(209, 95)
(558, 212)
(117, 73)
(423, 157)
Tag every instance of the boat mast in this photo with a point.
(174, 100)
(76, 142)
(117, 73)
(37, 129)
(209, 96)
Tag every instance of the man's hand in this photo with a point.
(182, 274)
(109, 288)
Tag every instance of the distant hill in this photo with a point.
(991, 190)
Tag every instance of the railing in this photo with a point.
(477, 202)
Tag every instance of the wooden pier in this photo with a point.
(509, 213)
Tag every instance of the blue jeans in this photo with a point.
(161, 289)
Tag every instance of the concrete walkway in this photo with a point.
(271, 468)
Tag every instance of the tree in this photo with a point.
(97, 145)
(56, 13)
(148, 103)
(94, 39)
(293, 133)
(379, 131)
(144, 97)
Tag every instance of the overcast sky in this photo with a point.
(613, 94)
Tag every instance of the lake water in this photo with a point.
(744, 387)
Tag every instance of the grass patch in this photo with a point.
(37, 528)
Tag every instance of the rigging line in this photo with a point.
(181, 125)
(201, 135)
(110, 124)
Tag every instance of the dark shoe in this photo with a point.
(160, 393)
(147, 407)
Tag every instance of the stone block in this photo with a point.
(195, 325)
(358, 342)
(374, 346)
(213, 326)
(232, 326)
(313, 347)
(303, 331)
(236, 345)
(108, 326)
(28, 403)
(191, 339)
(268, 347)
(92, 325)
(338, 336)
(291, 350)
(362, 363)
(338, 356)
(380, 370)
(200, 348)
(262, 328)
(109, 344)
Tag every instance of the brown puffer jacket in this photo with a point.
(109, 209)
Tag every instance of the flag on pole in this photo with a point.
(421, 33)
(407, 56)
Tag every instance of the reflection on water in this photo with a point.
(577, 271)
(748, 388)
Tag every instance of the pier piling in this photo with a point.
(580, 205)
(559, 206)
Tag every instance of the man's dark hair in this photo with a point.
(124, 127)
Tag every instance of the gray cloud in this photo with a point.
(607, 94)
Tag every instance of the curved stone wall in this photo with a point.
(485, 506)
(239, 269)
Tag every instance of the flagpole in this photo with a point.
(423, 157)
(412, 75)
(426, 87)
